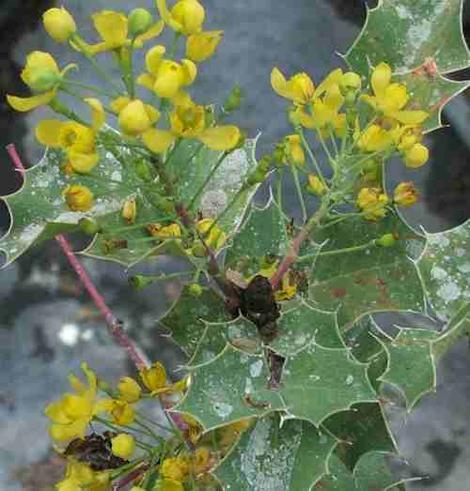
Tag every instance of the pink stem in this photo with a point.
(113, 323)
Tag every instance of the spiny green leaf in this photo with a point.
(371, 280)
(454, 332)
(189, 322)
(405, 33)
(445, 269)
(300, 324)
(361, 429)
(318, 382)
(272, 457)
(231, 387)
(262, 234)
(411, 367)
(221, 187)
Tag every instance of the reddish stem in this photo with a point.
(131, 477)
(113, 323)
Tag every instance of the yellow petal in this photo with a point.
(166, 16)
(152, 33)
(94, 49)
(201, 46)
(83, 163)
(158, 141)
(47, 132)
(154, 57)
(220, 137)
(25, 104)
(112, 27)
(38, 60)
(123, 445)
(190, 71)
(67, 432)
(98, 115)
(333, 78)
(381, 77)
(118, 104)
(152, 112)
(411, 117)
(146, 80)
(279, 83)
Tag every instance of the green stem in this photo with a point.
(172, 151)
(311, 156)
(207, 179)
(326, 149)
(299, 192)
(85, 86)
(62, 109)
(338, 251)
(135, 226)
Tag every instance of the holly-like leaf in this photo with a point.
(300, 324)
(190, 323)
(421, 41)
(368, 280)
(262, 234)
(271, 457)
(372, 473)
(231, 387)
(360, 430)
(411, 366)
(445, 269)
(192, 166)
(318, 382)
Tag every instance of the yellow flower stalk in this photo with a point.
(201, 46)
(299, 88)
(79, 476)
(390, 99)
(406, 194)
(42, 75)
(59, 24)
(78, 198)
(129, 390)
(71, 415)
(373, 203)
(113, 28)
(186, 17)
(123, 445)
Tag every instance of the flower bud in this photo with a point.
(189, 15)
(195, 290)
(351, 81)
(143, 171)
(233, 100)
(129, 389)
(387, 240)
(78, 198)
(89, 226)
(43, 80)
(154, 378)
(315, 185)
(198, 250)
(406, 194)
(416, 156)
(256, 177)
(201, 46)
(139, 282)
(59, 24)
(140, 21)
(129, 210)
(123, 445)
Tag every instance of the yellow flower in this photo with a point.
(390, 98)
(168, 485)
(78, 198)
(299, 88)
(201, 460)
(373, 203)
(41, 74)
(186, 16)
(176, 468)
(123, 445)
(129, 389)
(188, 120)
(375, 139)
(214, 236)
(164, 231)
(113, 28)
(71, 414)
(154, 378)
(121, 412)
(79, 476)
(59, 24)
(416, 156)
(201, 46)
(287, 291)
(406, 194)
(135, 117)
(315, 185)
(166, 77)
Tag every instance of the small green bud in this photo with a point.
(387, 240)
(351, 81)
(140, 21)
(350, 99)
(256, 177)
(210, 115)
(234, 100)
(89, 226)
(143, 171)
(139, 282)
(195, 290)
(265, 163)
(198, 250)
(44, 80)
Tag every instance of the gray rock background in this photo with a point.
(48, 324)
